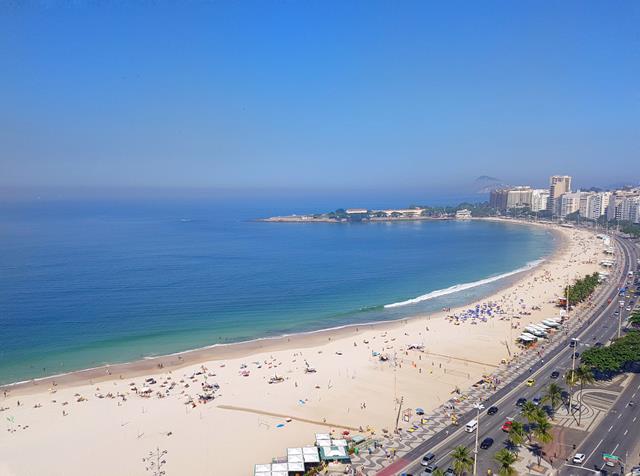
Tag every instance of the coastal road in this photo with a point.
(616, 434)
(597, 326)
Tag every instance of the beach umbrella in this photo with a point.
(419, 411)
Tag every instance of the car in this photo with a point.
(492, 410)
(520, 402)
(427, 458)
(428, 470)
(576, 355)
(506, 426)
(573, 343)
(597, 345)
(579, 458)
(486, 443)
(530, 382)
(555, 374)
(536, 401)
(449, 472)
(628, 308)
(635, 471)
(564, 395)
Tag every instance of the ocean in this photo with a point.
(84, 283)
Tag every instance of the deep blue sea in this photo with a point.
(83, 283)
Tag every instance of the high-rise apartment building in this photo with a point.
(507, 198)
(558, 185)
(624, 205)
(569, 203)
(539, 200)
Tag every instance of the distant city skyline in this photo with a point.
(318, 96)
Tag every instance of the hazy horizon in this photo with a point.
(317, 96)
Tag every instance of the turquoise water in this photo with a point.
(83, 284)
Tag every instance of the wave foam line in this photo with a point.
(461, 287)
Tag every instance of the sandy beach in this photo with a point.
(105, 421)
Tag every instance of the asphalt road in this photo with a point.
(616, 434)
(600, 327)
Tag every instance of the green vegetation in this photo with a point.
(632, 229)
(581, 289)
(617, 356)
(634, 319)
(517, 434)
(506, 459)
(462, 460)
(477, 209)
(553, 396)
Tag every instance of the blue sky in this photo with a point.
(318, 94)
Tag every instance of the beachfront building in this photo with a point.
(558, 186)
(539, 199)
(401, 212)
(498, 198)
(508, 198)
(463, 214)
(569, 203)
(624, 205)
(596, 205)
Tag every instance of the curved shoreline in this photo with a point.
(219, 351)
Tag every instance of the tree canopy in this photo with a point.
(615, 357)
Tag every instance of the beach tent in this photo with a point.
(334, 453)
(310, 455)
(296, 468)
(539, 327)
(294, 451)
(531, 336)
(279, 473)
(339, 443)
(535, 331)
(357, 439)
(295, 459)
(262, 470)
(526, 338)
(280, 467)
(551, 323)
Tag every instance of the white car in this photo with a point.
(579, 458)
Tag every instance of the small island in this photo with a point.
(464, 211)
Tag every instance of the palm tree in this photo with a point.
(438, 472)
(506, 459)
(539, 415)
(583, 375)
(553, 396)
(517, 433)
(528, 411)
(542, 433)
(572, 380)
(462, 459)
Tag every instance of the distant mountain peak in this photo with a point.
(486, 183)
(483, 178)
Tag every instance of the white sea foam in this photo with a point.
(462, 287)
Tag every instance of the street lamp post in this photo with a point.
(573, 368)
(478, 407)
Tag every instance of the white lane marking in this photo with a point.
(619, 416)
(614, 450)
(633, 396)
(635, 418)
(438, 462)
(594, 450)
(581, 467)
(610, 428)
(625, 432)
